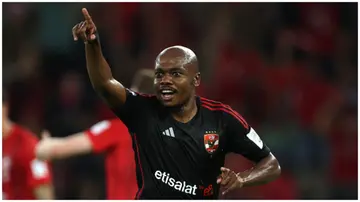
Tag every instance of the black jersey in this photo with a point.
(182, 160)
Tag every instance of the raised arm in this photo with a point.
(100, 75)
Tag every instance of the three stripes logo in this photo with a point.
(169, 132)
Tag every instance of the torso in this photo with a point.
(120, 169)
(166, 145)
(14, 181)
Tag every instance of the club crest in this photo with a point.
(211, 142)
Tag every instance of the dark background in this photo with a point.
(289, 68)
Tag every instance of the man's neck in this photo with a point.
(186, 112)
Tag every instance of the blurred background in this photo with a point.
(289, 68)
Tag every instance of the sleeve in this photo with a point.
(133, 112)
(242, 138)
(37, 172)
(105, 134)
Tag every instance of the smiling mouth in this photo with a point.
(167, 94)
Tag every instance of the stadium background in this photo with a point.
(289, 68)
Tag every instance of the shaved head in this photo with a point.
(179, 55)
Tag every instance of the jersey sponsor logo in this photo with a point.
(169, 132)
(207, 191)
(176, 184)
(254, 137)
(211, 141)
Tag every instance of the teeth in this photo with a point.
(166, 91)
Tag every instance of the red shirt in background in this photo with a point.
(113, 138)
(21, 171)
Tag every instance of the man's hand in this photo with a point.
(86, 29)
(229, 180)
(44, 146)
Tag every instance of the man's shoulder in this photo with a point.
(142, 95)
(214, 106)
(26, 141)
(146, 100)
(25, 134)
(117, 125)
(221, 110)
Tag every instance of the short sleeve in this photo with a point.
(37, 172)
(106, 134)
(133, 112)
(243, 139)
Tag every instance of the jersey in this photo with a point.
(112, 138)
(177, 160)
(21, 171)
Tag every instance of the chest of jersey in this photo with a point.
(190, 154)
(202, 137)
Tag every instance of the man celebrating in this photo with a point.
(181, 139)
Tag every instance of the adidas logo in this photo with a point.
(169, 132)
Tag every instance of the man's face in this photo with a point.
(173, 83)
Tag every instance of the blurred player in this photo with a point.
(181, 139)
(110, 137)
(23, 176)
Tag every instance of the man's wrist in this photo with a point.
(242, 177)
(96, 40)
(50, 147)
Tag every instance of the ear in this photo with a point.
(197, 79)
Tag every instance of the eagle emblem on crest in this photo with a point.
(211, 142)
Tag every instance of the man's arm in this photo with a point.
(50, 148)
(266, 170)
(101, 78)
(246, 141)
(99, 138)
(242, 139)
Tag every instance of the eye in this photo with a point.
(158, 74)
(176, 74)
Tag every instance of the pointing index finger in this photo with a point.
(86, 15)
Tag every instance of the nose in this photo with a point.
(166, 80)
